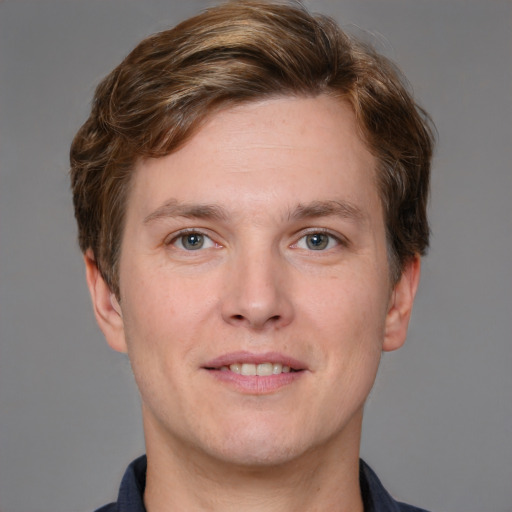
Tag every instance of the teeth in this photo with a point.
(235, 368)
(263, 369)
(248, 369)
(277, 368)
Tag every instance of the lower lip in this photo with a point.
(256, 385)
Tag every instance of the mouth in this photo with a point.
(256, 373)
(261, 369)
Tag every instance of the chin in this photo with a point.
(260, 445)
(264, 454)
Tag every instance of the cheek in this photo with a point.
(156, 299)
(348, 306)
(350, 326)
(159, 350)
(165, 317)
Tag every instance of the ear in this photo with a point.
(106, 307)
(400, 305)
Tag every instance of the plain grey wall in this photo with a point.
(438, 426)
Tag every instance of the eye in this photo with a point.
(192, 241)
(317, 241)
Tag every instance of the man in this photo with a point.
(251, 191)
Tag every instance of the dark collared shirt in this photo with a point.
(131, 492)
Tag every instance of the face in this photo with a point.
(255, 298)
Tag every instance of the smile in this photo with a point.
(263, 369)
(256, 374)
(251, 364)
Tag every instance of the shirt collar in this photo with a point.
(375, 497)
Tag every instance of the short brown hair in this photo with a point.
(238, 52)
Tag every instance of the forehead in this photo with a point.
(278, 149)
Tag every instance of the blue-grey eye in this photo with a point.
(317, 242)
(192, 241)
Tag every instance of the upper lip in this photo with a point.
(253, 358)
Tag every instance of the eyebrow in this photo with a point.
(174, 208)
(314, 209)
(337, 208)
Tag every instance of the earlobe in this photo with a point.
(400, 306)
(106, 307)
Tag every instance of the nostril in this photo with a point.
(241, 318)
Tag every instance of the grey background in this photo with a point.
(439, 422)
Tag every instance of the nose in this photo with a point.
(258, 292)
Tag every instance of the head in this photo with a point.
(250, 190)
(234, 54)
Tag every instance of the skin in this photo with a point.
(271, 172)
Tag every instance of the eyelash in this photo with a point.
(175, 237)
(341, 241)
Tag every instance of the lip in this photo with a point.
(252, 358)
(253, 384)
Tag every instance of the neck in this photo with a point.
(180, 478)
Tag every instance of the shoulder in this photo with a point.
(131, 491)
(111, 507)
(375, 496)
(403, 507)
